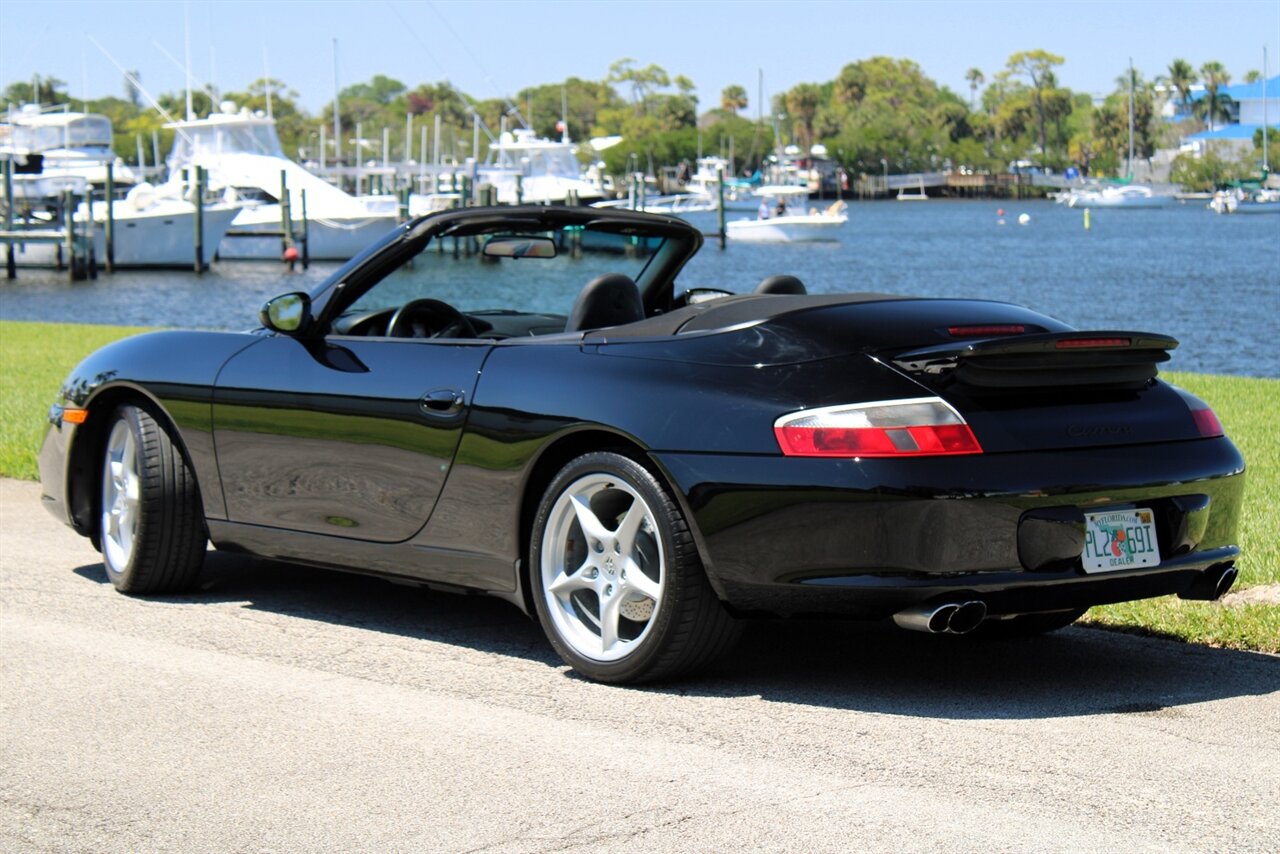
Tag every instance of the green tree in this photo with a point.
(1215, 104)
(733, 98)
(47, 90)
(1037, 66)
(975, 78)
(1182, 76)
(802, 102)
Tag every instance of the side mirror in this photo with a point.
(287, 313)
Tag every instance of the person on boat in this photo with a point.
(762, 212)
(781, 209)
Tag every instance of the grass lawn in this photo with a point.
(36, 357)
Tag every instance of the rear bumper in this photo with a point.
(871, 537)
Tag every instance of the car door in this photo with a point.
(342, 435)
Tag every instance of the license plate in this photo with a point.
(1119, 539)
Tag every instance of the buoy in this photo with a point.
(1023, 219)
(999, 211)
(291, 256)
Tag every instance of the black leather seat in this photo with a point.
(608, 300)
(781, 285)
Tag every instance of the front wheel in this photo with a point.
(618, 585)
(152, 525)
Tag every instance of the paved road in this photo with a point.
(285, 709)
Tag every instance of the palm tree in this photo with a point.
(733, 98)
(1182, 76)
(976, 79)
(1213, 104)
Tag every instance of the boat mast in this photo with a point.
(1266, 163)
(1131, 118)
(186, 39)
(337, 126)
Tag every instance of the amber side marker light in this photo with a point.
(75, 416)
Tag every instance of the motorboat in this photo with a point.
(1239, 202)
(785, 219)
(65, 144)
(1126, 196)
(524, 167)
(150, 229)
(240, 152)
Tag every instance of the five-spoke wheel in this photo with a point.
(618, 584)
(152, 525)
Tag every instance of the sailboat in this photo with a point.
(1122, 194)
(1263, 200)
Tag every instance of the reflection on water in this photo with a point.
(1211, 281)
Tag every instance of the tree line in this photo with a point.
(877, 114)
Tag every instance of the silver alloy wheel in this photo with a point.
(121, 492)
(603, 567)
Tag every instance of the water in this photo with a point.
(1211, 281)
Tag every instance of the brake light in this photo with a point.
(918, 427)
(1207, 423)
(1078, 343)
(986, 331)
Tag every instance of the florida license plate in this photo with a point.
(1120, 539)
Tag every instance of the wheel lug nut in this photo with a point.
(608, 590)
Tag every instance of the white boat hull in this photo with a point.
(162, 237)
(328, 239)
(786, 229)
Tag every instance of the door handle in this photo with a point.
(442, 401)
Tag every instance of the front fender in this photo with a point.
(170, 373)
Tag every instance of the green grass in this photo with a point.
(1247, 409)
(34, 360)
(36, 357)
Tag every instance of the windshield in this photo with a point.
(455, 270)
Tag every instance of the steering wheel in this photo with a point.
(429, 318)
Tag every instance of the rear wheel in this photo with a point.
(1027, 625)
(617, 581)
(152, 527)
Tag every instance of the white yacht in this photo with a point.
(150, 230)
(548, 170)
(784, 218)
(242, 157)
(70, 144)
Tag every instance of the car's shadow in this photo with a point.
(834, 664)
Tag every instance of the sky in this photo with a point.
(493, 48)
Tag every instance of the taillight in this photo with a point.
(919, 427)
(1207, 423)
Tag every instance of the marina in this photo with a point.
(1206, 280)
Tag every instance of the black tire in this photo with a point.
(152, 523)
(661, 622)
(1028, 625)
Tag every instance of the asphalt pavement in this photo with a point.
(290, 709)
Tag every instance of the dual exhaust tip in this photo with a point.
(956, 618)
(960, 618)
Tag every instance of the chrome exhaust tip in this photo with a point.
(1211, 584)
(967, 617)
(955, 618)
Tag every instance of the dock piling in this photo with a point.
(110, 233)
(198, 200)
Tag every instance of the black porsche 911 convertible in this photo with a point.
(522, 402)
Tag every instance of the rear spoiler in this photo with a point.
(1050, 359)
